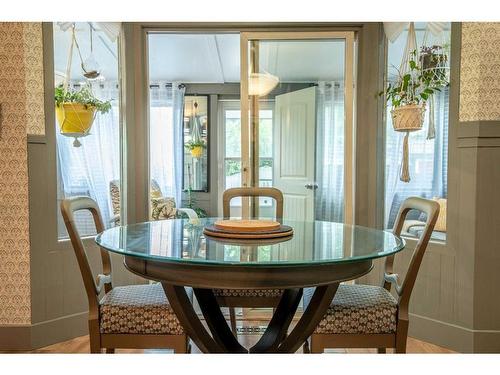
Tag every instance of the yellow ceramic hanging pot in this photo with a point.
(197, 151)
(75, 118)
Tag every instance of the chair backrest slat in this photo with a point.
(431, 209)
(68, 208)
(271, 192)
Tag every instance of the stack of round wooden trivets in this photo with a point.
(248, 229)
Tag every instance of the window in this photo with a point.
(196, 143)
(428, 157)
(184, 71)
(93, 168)
(164, 161)
(232, 149)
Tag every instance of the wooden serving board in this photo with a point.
(247, 226)
(282, 231)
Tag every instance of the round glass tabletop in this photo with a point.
(182, 240)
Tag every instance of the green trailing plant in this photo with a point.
(193, 144)
(191, 203)
(432, 56)
(415, 86)
(82, 96)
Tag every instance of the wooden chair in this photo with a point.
(365, 316)
(135, 316)
(243, 297)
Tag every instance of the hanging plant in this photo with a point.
(434, 64)
(196, 148)
(432, 57)
(410, 93)
(408, 97)
(192, 204)
(76, 110)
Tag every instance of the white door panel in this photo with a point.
(293, 132)
(294, 135)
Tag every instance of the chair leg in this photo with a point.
(381, 350)
(232, 318)
(182, 345)
(95, 346)
(305, 347)
(95, 337)
(401, 336)
(316, 346)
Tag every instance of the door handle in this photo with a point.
(311, 186)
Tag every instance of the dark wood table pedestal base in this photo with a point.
(274, 340)
(204, 278)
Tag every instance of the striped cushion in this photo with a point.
(441, 220)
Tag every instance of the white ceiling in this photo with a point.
(396, 49)
(207, 58)
(105, 52)
(215, 58)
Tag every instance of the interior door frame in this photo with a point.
(349, 126)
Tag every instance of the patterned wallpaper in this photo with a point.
(20, 67)
(33, 56)
(480, 72)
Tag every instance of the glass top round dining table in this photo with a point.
(318, 255)
(314, 242)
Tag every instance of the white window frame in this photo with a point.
(222, 106)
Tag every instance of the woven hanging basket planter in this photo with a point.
(408, 118)
(75, 120)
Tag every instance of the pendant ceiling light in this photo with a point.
(261, 84)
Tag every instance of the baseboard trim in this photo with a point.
(61, 329)
(441, 333)
(487, 342)
(14, 338)
(454, 337)
(451, 336)
(37, 335)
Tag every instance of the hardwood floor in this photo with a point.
(250, 321)
(81, 344)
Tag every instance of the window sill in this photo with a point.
(433, 241)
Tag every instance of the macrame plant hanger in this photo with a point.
(84, 130)
(196, 123)
(431, 130)
(411, 45)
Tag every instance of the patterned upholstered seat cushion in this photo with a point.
(360, 309)
(163, 208)
(274, 293)
(138, 309)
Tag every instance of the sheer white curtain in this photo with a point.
(166, 137)
(88, 169)
(428, 161)
(329, 198)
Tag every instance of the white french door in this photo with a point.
(295, 136)
(309, 78)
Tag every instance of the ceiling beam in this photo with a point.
(213, 47)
